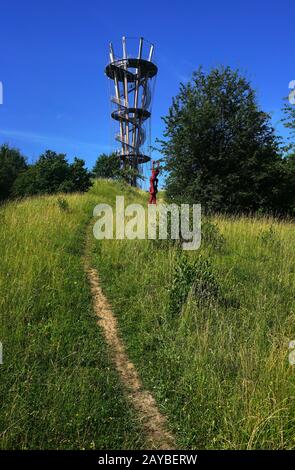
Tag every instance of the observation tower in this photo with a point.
(133, 76)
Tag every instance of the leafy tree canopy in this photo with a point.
(11, 164)
(51, 174)
(220, 147)
(107, 166)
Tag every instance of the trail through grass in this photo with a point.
(208, 332)
(218, 365)
(58, 387)
(153, 422)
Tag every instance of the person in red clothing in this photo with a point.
(154, 183)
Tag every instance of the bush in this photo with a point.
(63, 204)
(269, 238)
(211, 236)
(196, 277)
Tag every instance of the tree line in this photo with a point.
(220, 149)
(51, 173)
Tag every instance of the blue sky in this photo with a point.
(53, 54)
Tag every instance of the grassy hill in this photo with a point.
(207, 331)
(58, 387)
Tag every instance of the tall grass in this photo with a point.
(58, 387)
(218, 366)
(214, 352)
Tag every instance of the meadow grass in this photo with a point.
(58, 386)
(217, 364)
(219, 367)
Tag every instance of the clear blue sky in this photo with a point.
(53, 55)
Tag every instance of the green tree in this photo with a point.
(288, 173)
(289, 122)
(12, 163)
(107, 166)
(220, 148)
(27, 183)
(51, 174)
(80, 177)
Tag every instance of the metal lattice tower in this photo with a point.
(131, 103)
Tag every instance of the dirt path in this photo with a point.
(153, 422)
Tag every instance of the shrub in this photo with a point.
(211, 236)
(269, 238)
(63, 204)
(196, 277)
